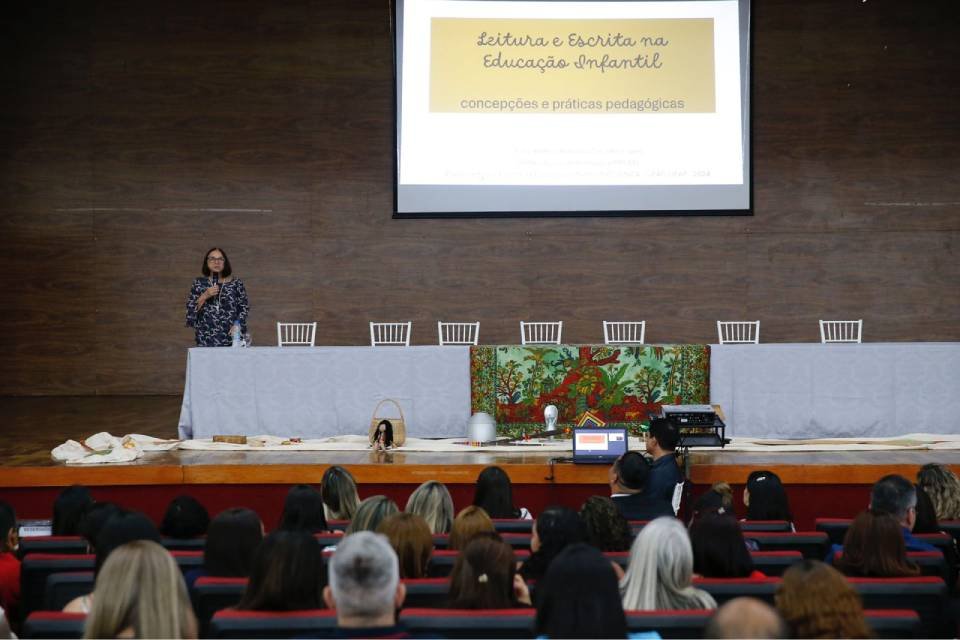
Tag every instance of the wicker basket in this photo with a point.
(399, 424)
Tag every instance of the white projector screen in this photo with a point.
(572, 107)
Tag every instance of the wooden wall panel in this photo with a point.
(136, 135)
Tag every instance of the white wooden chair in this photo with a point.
(299, 334)
(458, 332)
(390, 333)
(841, 331)
(624, 332)
(540, 332)
(738, 332)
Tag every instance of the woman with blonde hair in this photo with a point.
(141, 594)
(660, 573)
(816, 601)
(943, 487)
(339, 492)
(432, 502)
(371, 513)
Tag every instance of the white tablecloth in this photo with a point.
(324, 391)
(841, 390)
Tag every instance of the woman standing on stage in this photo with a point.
(217, 301)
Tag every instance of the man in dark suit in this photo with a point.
(661, 441)
(628, 475)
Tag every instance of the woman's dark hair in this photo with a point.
(121, 528)
(719, 550)
(579, 597)
(339, 492)
(287, 574)
(227, 270)
(232, 540)
(185, 518)
(926, 514)
(717, 499)
(606, 527)
(68, 510)
(873, 547)
(556, 528)
(387, 433)
(482, 576)
(768, 499)
(8, 522)
(494, 493)
(93, 520)
(303, 510)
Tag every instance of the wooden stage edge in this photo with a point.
(34, 425)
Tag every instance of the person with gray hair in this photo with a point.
(365, 587)
(660, 572)
(897, 496)
(746, 618)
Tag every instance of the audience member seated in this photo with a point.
(365, 588)
(943, 487)
(661, 441)
(68, 509)
(232, 541)
(719, 550)
(578, 597)
(717, 499)
(411, 539)
(287, 574)
(873, 547)
(554, 530)
(140, 594)
(9, 563)
(121, 528)
(339, 492)
(627, 478)
(185, 518)
(432, 502)
(660, 573)
(606, 527)
(303, 510)
(816, 601)
(371, 513)
(470, 522)
(926, 513)
(896, 495)
(765, 498)
(494, 494)
(93, 520)
(746, 618)
(485, 577)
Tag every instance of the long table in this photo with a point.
(324, 391)
(869, 390)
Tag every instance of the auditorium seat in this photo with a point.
(949, 526)
(774, 563)
(52, 544)
(723, 589)
(669, 623)
(184, 544)
(512, 525)
(338, 525)
(893, 623)
(766, 525)
(622, 558)
(941, 541)
(210, 594)
(231, 623)
(927, 595)
(469, 623)
(515, 540)
(188, 560)
(329, 539)
(835, 528)
(442, 561)
(426, 592)
(931, 563)
(61, 588)
(636, 525)
(54, 624)
(37, 566)
(812, 544)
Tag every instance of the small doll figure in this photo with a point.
(383, 437)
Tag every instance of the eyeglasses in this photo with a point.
(212, 259)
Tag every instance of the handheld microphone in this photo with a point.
(215, 277)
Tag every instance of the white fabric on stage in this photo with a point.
(324, 391)
(874, 390)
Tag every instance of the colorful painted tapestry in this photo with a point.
(621, 384)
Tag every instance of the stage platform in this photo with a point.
(829, 483)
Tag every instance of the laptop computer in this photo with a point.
(598, 445)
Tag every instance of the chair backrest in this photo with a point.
(34, 569)
(738, 332)
(774, 563)
(465, 333)
(210, 594)
(296, 334)
(893, 623)
(541, 332)
(390, 333)
(835, 528)
(723, 589)
(812, 544)
(766, 525)
(948, 526)
(512, 525)
(426, 592)
(469, 623)
(54, 624)
(841, 330)
(61, 588)
(670, 623)
(52, 544)
(188, 560)
(230, 623)
(184, 544)
(624, 332)
(442, 561)
(927, 595)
